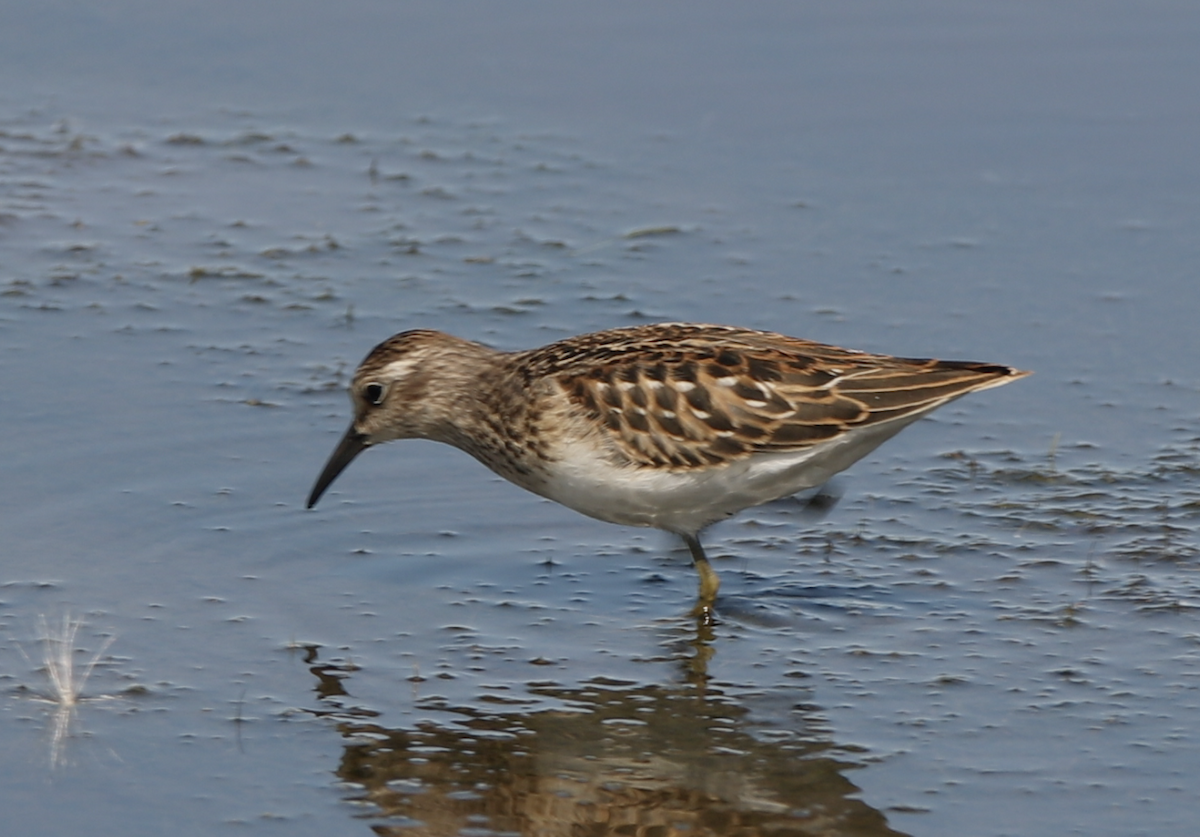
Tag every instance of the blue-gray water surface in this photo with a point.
(210, 212)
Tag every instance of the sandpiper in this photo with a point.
(674, 425)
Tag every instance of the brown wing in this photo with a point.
(687, 396)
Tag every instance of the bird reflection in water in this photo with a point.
(607, 757)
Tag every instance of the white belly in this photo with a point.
(687, 500)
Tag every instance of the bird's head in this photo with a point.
(401, 390)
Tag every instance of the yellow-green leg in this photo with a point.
(710, 582)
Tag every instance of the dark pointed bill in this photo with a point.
(352, 444)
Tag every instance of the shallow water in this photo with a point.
(993, 632)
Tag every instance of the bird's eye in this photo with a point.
(373, 393)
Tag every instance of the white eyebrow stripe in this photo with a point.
(397, 368)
